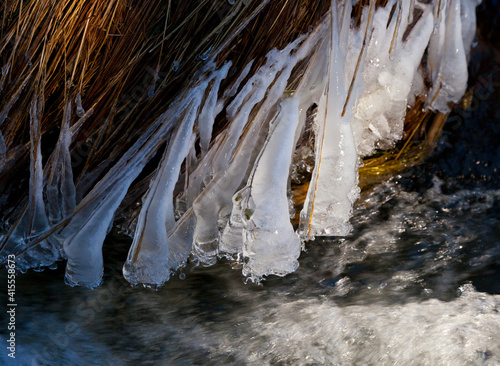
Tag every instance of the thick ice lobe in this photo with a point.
(270, 243)
(393, 75)
(389, 74)
(333, 187)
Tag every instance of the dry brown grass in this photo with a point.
(112, 54)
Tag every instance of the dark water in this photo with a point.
(416, 283)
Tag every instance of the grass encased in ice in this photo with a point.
(92, 92)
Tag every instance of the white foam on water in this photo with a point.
(432, 332)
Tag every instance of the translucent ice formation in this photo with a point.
(226, 193)
(148, 260)
(333, 188)
(269, 241)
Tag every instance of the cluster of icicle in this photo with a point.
(233, 198)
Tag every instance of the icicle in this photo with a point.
(148, 260)
(410, 11)
(308, 92)
(231, 92)
(37, 220)
(333, 187)
(215, 200)
(210, 110)
(85, 235)
(226, 179)
(80, 112)
(450, 81)
(34, 219)
(148, 255)
(239, 182)
(439, 10)
(214, 204)
(468, 20)
(390, 77)
(94, 214)
(270, 243)
(180, 241)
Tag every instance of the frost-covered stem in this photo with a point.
(60, 189)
